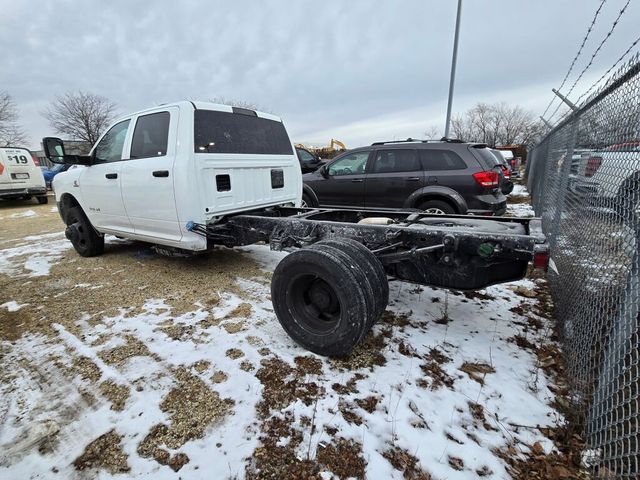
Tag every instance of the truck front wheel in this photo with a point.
(82, 235)
(320, 301)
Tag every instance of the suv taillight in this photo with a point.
(487, 179)
(35, 160)
(593, 164)
(505, 172)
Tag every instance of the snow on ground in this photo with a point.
(34, 253)
(11, 306)
(519, 191)
(444, 381)
(28, 213)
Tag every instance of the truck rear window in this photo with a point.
(224, 132)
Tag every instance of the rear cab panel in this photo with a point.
(19, 175)
(243, 160)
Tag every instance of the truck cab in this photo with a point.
(154, 171)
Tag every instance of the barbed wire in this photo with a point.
(595, 53)
(616, 63)
(584, 40)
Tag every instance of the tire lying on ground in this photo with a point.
(321, 301)
(80, 232)
(371, 266)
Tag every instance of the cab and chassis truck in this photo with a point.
(190, 176)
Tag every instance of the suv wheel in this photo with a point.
(437, 207)
(307, 201)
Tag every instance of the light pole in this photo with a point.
(453, 70)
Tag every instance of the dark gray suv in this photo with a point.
(443, 177)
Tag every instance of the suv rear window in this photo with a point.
(388, 161)
(488, 160)
(441, 160)
(224, 132)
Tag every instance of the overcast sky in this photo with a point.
(358, 71)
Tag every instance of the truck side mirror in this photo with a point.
(53, 149)
(324, 171)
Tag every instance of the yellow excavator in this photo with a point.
(335, 147)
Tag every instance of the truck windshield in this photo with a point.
(224, 132)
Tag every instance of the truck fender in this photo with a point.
(66, 203)
(309, 191)
(437, 192)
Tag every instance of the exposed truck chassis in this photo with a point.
(316, 306)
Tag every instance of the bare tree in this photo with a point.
(238, 103)
(433, 133)
(81, 115)
(11, 133)
(497, 124)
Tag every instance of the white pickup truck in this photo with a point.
(191, 175)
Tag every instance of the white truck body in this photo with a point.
(155, 170)
(19, 174)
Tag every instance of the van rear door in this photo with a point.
(18, 171)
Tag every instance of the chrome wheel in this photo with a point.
(434, 211)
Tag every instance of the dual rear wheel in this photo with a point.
(329, 295)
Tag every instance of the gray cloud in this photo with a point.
(357, 71)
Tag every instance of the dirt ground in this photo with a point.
(133, 363)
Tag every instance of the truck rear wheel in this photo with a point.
(81, 234)
(43, 199)
(372, 268)
(320, 301)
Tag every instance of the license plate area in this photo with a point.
(20, 176)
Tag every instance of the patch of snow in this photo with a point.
(28, 213)
(520, 210)
(36, 257)
(13, 306)
(519, 191)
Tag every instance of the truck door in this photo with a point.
(147, 176)
(343, 184)
(100, 183)
(393, 176)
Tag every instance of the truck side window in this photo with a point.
(109, 149)
(352, 164)
(150, 136)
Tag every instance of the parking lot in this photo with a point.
(146, 365)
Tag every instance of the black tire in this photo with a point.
(373, 269)
(82, 235)
(308, 201)
(442, 207)
(367, 283)
(320, 301)
(43, 200)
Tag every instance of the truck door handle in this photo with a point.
(357, 180)
(414, 179)
(161, 173)
(111, 176)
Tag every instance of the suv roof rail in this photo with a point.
(417, 140)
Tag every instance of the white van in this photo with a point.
(21, 176)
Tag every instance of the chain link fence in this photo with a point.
(584, 178)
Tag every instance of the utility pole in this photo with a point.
(453, 70)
